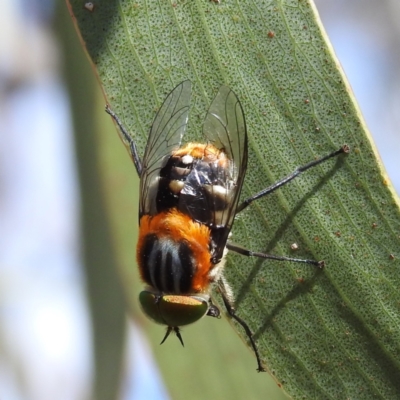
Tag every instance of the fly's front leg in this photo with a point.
(344, 149)
(226, 295)
(128, 139)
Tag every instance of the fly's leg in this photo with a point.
(128, 139)
(228, 302)
(344, 149)
(213, 310)
(249, 253)
(228, 298)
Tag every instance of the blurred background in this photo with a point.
(60, 338)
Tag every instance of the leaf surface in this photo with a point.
(331, 333)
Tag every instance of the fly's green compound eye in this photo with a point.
(173, 310)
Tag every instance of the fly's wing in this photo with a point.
(165, 137)
(211, 192)
(225, 128)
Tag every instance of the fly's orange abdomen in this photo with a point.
(202, 151)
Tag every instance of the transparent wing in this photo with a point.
(225, 128)
(165, 137)
(211, 192)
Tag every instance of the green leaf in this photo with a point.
(331, 333)
(104, 297)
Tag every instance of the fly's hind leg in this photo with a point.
(344, 149)
(128, 139)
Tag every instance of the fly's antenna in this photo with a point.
(177, 332)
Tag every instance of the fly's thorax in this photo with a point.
(167, 265)
(173, 253)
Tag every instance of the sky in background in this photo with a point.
(366, 37)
